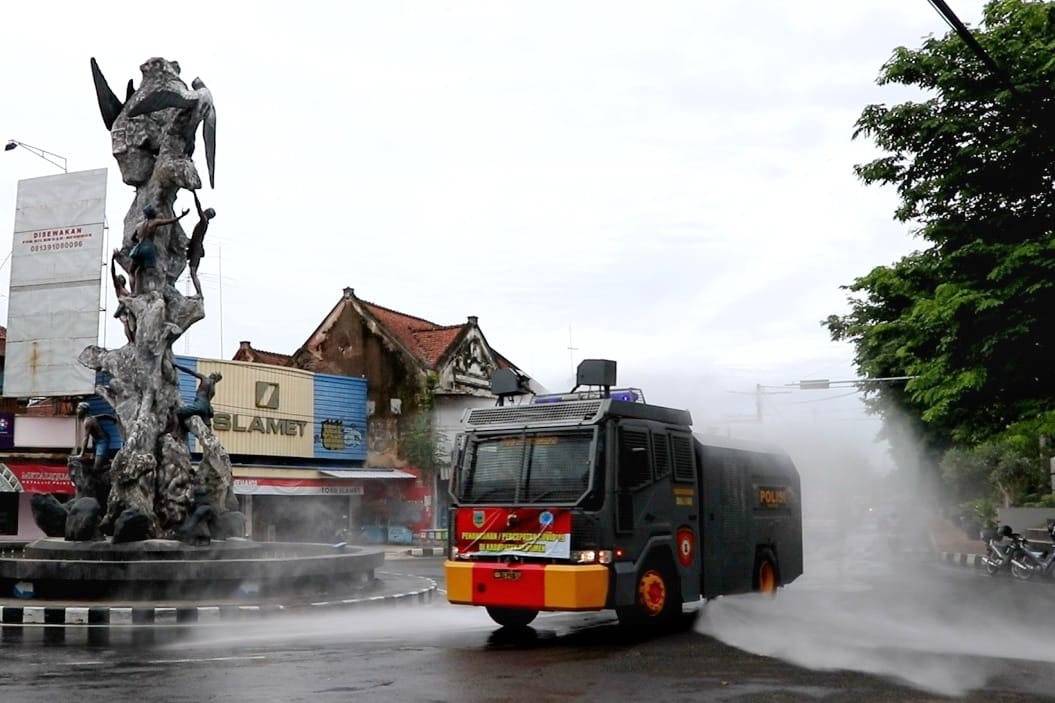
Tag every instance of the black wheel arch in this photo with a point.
(765, 552)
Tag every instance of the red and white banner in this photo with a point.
(296, 487)
(40, 478)
(523, 532)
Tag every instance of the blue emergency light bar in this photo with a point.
(631, 395)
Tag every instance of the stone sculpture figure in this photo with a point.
(195, 108)
(197, 529)
(101, 440)
(201, 406)
(196, 248)
(49, 514)
(121, 291)
(143, 256)
(87, 483)
(84, 515)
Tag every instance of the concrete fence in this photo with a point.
(1024, 519)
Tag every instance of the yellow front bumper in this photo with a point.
(533, 586)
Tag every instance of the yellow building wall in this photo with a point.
(243, 420)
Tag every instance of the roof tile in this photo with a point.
(427, 340)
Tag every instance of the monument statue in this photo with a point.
(153, 482)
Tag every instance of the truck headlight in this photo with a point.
(592, 556)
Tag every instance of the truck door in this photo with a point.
(708, 467)
(634, 515)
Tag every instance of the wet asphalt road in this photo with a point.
(862, 626)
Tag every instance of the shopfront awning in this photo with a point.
(366, 473)
(35, 478)
(288, 481)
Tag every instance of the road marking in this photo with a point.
(255, 657)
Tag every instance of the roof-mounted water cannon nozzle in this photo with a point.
(506, 383)
(596, 372)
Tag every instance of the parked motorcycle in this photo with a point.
(1002, 549)
(1034, 558)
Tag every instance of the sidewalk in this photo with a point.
(420, 548)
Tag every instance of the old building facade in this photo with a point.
(421, 377)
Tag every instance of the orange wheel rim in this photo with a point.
(653, 592)
(767, 578)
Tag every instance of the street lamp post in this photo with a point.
(53, 159)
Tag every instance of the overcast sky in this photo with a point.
(668, 184)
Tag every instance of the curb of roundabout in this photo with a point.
(150, 615)
(971, 561)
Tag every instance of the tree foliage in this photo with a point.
(419, 441)
(973, 162)
(1012, 472)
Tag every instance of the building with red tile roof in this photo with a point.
(403, 357)
(361, 338)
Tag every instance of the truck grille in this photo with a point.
(572, 412)
(584, 532)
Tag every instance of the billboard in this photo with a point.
(56, 273)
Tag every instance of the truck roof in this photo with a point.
(712, 439)
(571, 414)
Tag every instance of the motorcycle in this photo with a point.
(1034, 559)
(1002, 549)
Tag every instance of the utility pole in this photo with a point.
(571, 355)
(759, 393)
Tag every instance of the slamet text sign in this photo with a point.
(266, 396)
(233, 422)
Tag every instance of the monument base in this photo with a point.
(154, 570)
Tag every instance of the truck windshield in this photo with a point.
(526, 468)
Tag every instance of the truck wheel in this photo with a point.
(766, 574)
(512, 617)
(657, 597)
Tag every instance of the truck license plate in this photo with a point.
(506, 574)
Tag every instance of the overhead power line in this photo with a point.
(965, 34)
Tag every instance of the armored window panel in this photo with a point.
(684, 469)
(661, 454)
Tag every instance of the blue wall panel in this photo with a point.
(340, 417)
(188, 385)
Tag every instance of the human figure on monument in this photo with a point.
(196, 247)
(92, 428)
(121, 289)
(202, 403)
(144, 253)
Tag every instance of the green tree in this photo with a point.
(973, 162)
(1013, 472)
(419, 441)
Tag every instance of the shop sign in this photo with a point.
(7, 431)
(295, 487)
